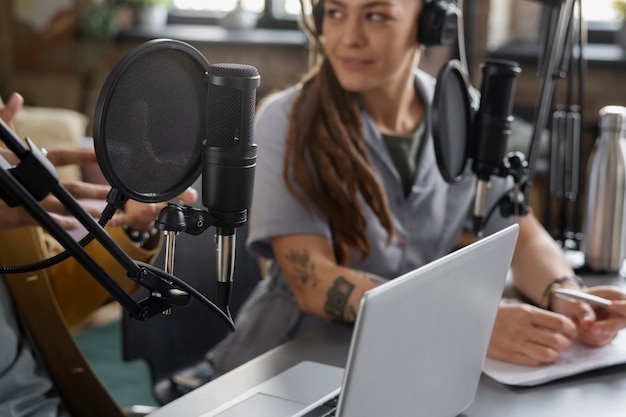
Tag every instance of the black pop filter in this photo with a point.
(452, 115)
(150, 121)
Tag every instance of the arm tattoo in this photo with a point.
(304, 270)
(337, 300)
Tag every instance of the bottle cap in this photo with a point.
(613, 118)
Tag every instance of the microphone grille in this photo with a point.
(231, 104)
(233, 70)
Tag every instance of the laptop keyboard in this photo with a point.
(327, 409)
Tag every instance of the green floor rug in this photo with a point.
(128, 383)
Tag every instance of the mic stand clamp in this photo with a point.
(197, 220)
(514, 203)
(162, 296)
(193, 221)
(35, 172)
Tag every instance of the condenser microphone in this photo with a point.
(491, 129)
(229, 160)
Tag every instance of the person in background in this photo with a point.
(26, 390)
(132, 229)
(348, 195)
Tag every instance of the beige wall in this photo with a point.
(63, 72)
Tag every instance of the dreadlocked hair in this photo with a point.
(327, 163)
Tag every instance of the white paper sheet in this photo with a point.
(577, 359)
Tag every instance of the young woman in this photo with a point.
(348, 195)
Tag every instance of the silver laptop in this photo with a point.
(417, 349)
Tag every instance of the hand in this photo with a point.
(528, 335)
(585, 318)
(618, 307)
(59, 157)
(13, 106)
(18, 216)
(141, 216)
(607, 321)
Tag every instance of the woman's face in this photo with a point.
(371, 44)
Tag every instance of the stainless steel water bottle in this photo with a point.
(604, 222)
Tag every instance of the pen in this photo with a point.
(582, 296)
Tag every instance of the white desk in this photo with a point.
(598, 393)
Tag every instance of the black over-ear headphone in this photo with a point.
(437, 22)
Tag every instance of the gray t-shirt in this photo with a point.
(429, 220)
(25, 388)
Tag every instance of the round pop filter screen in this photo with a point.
(451, 121)
(150, 121)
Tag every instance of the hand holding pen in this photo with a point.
(616, 295)
(609, 305)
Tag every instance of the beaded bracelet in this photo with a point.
(546, 298)
(139, 238)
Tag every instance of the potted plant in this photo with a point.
(620, 6)
(239, 18)
(152, 14)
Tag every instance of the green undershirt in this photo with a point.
(405, 151)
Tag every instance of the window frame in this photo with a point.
(267, 20)
(598, 32)
(602, 32)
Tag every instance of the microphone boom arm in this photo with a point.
(552, 68)
(555, 50)
(34, 178)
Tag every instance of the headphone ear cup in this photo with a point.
(318, 16)
(438, 23)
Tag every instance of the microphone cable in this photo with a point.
(107, 213)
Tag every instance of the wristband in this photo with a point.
(546, 298)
